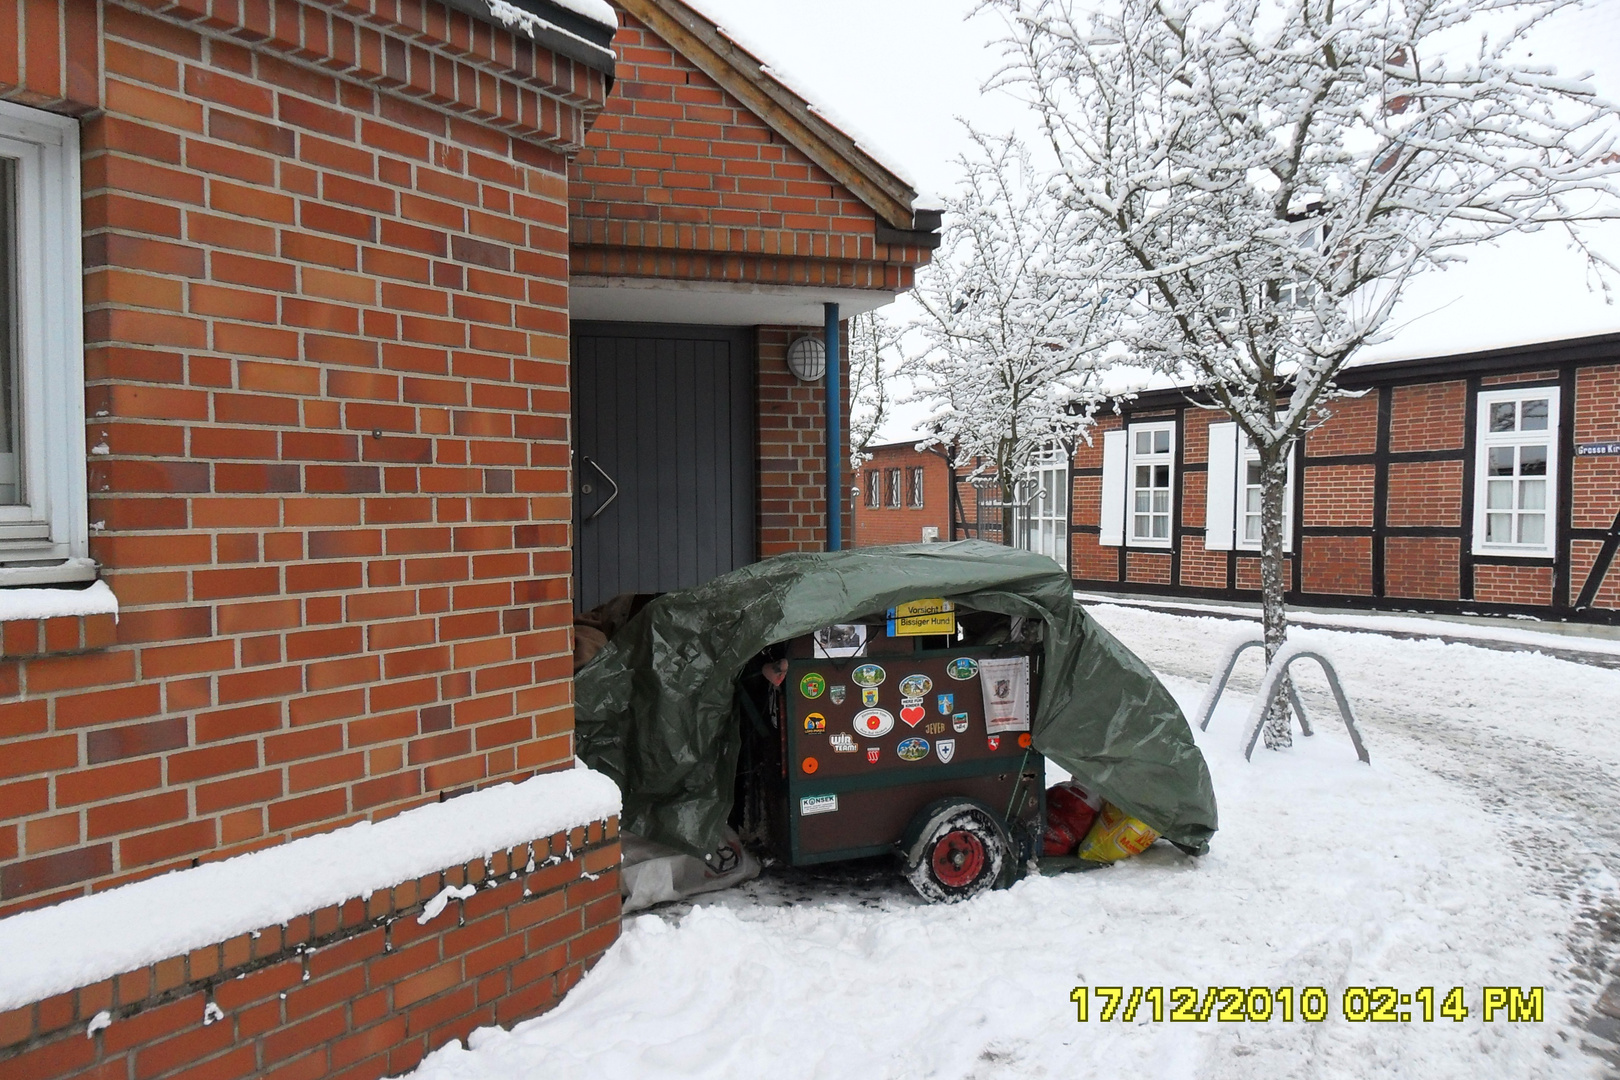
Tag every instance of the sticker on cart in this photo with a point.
(962, 668)
(959, 722)
(810, 765)
(837, 694)
(947, 703)
(869, 697)
(946, 749)
(843, 743)
(915, 686)
(812, 686)
(874, 722)
(1024, 740)
(872, 753)
(912, 749)
(810, 805)
(913, 715)
(868, 675)
(815, 724)
(995, 743)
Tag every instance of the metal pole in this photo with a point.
(835, 436)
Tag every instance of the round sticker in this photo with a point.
(962, 668)
(912, 749)
(811, 764)
(812, 686)
(868, 675)
(915, 686)
(874, 722)
(815, 724)
(1024, 740)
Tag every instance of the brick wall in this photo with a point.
(1147, 567)
(680, 179)
(1200, 568)
(1425, 493)
(903, 525)
(326, 279)
(1421, 567)
(1339, 496)
(1337, 565)
(1248, 573)
(793, 451)
(1351, 429)
(1513, 584)
(1596, 480)
(357, 989)
(1427, 416)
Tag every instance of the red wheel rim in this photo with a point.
(958, 859)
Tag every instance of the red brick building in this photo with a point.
(901, 495)
(1485, 483)
(304, 297)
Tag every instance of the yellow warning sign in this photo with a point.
(922, 617)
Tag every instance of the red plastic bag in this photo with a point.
(1070, 811)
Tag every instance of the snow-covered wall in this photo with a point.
(55, 949)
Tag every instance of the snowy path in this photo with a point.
(1462, 857)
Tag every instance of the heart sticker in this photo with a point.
(913, 715)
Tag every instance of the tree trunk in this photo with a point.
(1009, 513)
(1274, 614)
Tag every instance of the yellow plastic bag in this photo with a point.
(1116, 836)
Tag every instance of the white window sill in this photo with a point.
(1506, 551)
(18, 604)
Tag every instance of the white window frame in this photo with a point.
(874, 489)
(896, 498)
(1041, 509)
(1153, 459)
(50, 526)
(1485, 440)
(1246, 456)
(914, 487)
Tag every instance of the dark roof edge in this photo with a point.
(742, 73)
(564, 32)
(1594, 349)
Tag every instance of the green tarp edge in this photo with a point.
(653, 710)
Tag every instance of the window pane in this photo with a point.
(1141, 527)
(1144, 442)
(1161, 502)
(1532, 461)
(1501, 461)
(1251, 500)
(1533, 415)
(1161, 476)
(1499, 495)
(1144, 501)
(1252, 474)
(1502, 416)
(1144, 476)
(1532, 529)
(1161, 442)
(1161, 528)
(10, 486)
(1251, 528)
(1499, 528)
(1533, 495)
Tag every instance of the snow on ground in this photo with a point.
(1464, 856)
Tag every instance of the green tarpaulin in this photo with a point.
(654, 708)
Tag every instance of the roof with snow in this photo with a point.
(743, 75)
(578, 29)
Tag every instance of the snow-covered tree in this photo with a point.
(1260, 179)
(1009, 368)
(874, 354)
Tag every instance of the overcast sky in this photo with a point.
(897, 75)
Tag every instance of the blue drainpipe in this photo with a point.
(835, 439)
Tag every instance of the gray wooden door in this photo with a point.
(665, 466)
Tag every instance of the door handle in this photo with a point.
(610, 482)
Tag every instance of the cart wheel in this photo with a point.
(959, 852)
